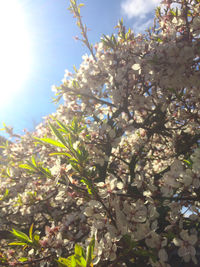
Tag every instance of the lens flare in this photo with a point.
(15, 50)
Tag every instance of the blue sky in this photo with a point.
(49, 32)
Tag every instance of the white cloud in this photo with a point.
(138, 8)
(142, 12)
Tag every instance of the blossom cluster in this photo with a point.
(119, 161)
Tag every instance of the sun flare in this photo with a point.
(15, 50)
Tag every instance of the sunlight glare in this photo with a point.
(15, 54)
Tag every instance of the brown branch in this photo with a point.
(83, 29)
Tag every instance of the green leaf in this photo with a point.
(5, 194)
(33, 161)
(26, 166)
(50, 141)
(128, 241)
(74, 165)
(17, 244)
(63, 262)
(21, 236)
(36, 239)
(36, 236)
(23, 259)
(89, 185)
(8, 171)
(46, 171)
(69, 262)
(73, 261)
(173, 12)
(34, 168)
(70, 157)
(90, 250)
(60, 154)
(78, 250)
(57, 99)
(80, 261)
(189, 163)
(58, 134)
(75, 69)
(63, 127)
(159, 40)
(31, 231)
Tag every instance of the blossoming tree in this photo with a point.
(112, 178)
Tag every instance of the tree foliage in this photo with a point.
(112, 178)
